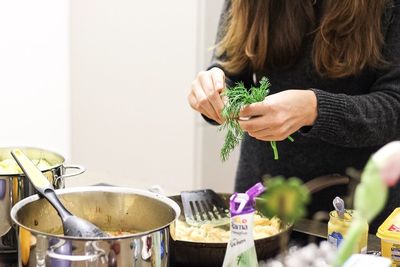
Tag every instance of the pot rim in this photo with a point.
(55, 166)
(113, 189)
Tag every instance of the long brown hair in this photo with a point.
(270, 33)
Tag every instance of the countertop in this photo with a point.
(304, 232)
(319, 230)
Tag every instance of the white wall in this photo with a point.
(34, 74)
(131, 66)
(210, 171)
(104, 83)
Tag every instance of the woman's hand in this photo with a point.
(205, 93)
(279, 115)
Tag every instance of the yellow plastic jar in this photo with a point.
(338, 227)
(389, 233)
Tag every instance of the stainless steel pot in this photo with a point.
(147, 216)
(14, 186)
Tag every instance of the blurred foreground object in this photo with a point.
(381, 171)
(286, 199)
(308, 256)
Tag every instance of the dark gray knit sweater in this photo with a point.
(356, 116)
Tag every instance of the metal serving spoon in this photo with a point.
(72, 225)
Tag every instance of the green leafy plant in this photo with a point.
(237, 97)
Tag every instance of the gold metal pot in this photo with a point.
(14, 186)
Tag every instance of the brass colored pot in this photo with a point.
(14, 186)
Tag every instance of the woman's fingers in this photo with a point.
(218, 79)
(203, 104)
(199, 101)
(205, 93)
(264, 124)
(213, 96)
(268, 135)
(255, 109)
(253, 124)
(279, 115)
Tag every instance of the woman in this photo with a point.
(334, 67)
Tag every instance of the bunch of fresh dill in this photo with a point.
(237, 97)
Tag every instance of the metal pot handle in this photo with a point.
(59, 180)
(93, 253)
(53, 255)
(80, 169)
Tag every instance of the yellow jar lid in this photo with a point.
(390, 228)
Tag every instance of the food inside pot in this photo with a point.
(209, 233)
(116, 233)
(10, 165)
(108, 232)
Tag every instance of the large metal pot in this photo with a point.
(14, 186)
(202, 254)
(145, 215)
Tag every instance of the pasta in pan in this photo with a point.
(263, 227)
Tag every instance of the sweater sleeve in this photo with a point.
(372, 119)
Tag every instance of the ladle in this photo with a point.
(72, 225)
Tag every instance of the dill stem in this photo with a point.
(275, 149)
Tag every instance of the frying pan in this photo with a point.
(196, 254)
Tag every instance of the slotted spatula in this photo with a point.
(204, 206)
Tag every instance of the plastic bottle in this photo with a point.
(240, 251)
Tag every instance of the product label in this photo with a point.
(395, 254)
(240, 249)
(394, 228)
(335, 238)
(240, 231)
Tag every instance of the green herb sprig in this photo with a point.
(237, 97)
